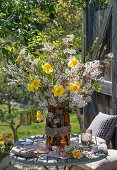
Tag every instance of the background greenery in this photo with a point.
(33, 129)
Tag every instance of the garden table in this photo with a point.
(46, 160)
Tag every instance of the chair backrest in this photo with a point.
(115, 137)
(113, 143)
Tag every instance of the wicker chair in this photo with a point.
(113, 142)
(109, 163)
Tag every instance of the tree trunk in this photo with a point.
(79, 117)
(15, 135)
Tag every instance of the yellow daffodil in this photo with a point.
(3, 147)
(30, 87)
(58, 90)
(74, 86)
(1, 143)
(72, 62)
(47, 68)
(79, 86)
(38, 116)
(36, 84)
(77, 154)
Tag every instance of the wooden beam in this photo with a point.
(107, 88)
(103, 29)
(114, 50)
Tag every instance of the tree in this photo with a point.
(25, 20)
(8, 112)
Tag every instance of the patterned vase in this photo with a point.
(58, 126)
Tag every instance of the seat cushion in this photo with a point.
(108, 163)
(103, 126)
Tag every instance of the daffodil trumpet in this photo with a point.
(72, 62)
(76, 86)
(33, 86)
(47, 68)
(58, 90)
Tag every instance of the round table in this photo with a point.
(45, 160)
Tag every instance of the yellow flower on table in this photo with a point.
(36, 84)
(58, 90)
(77, 154)
(47, 68)
(72, 62)
(76, 86)
(38, 116)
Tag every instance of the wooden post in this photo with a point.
(103, 29)
(114, 50)
(79, 117)
(95, 110)
(85, 41)
(85, 31)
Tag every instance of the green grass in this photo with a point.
(33, 129)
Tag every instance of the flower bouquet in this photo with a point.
(58, 79)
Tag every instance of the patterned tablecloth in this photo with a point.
(25, 151)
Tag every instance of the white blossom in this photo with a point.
(48, 47)
(70, 51)
(35, 62)
(22, 53)
(83, 73)
(68, 38)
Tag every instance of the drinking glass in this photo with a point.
(42, 146)
(86, 137)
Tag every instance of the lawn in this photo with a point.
(33, 128)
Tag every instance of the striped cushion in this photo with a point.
(103, 126)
